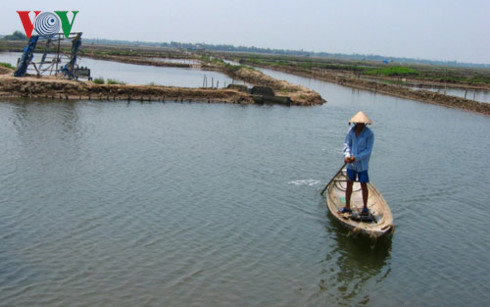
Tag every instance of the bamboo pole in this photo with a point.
(323, 191)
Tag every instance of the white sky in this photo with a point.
(449, 30)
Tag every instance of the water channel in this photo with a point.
(130, 73)
(186, 77)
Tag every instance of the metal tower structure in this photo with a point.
(52, 57)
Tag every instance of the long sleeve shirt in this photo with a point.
(360, 147)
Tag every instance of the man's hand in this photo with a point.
(349, 159)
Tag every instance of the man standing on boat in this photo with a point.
(357, 151)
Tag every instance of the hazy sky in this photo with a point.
(426, 29)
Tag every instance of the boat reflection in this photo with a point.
(352, 263)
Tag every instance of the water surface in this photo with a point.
(141, 74)
(169, 204)
(477, 95)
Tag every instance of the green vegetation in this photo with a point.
(7, 65)
(479, 79)
(230, 68)
(106, 52)
(299, 62)
(392, 71)
(16, 36)
(447, 74)
(210, 59)
(99, 80)
(206, 58)
(113, 81)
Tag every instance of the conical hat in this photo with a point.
(360, 117)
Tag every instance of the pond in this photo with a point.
(129, 204)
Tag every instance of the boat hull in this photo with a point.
(382, 218)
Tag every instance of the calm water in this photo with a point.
(478, 95)
(137, 74)
(168, 204)
(180, 61)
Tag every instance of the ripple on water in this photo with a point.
(197, 204)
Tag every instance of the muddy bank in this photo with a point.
(47, 87)
(65, 89)
(351, 80)
(140, 61)
(296, 95)
(299, 95)
(4, 70)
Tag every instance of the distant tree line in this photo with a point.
(19, 36)
(16, 36)
(253, 49)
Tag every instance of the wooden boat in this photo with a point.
(377, 224)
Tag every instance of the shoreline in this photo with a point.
(44, 87)
(298, 95)
(425, 96)
(52, 87)
(34, 86)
